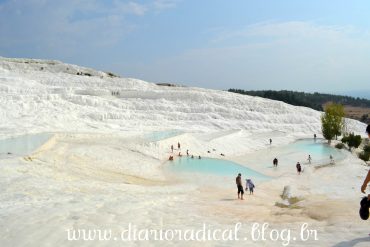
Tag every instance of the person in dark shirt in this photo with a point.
(275, 162)
(299, 168)
(240, 186)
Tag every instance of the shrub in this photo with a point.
(352, 140)
(364, 156)
(345, 139)
(339, 145)
(367, 148)
(364, 118)
(110, 74)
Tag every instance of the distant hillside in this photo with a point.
(315, 101)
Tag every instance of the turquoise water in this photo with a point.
(287, 155)
(317, 148)
(214, 167)
(295, 152)
(161, 135)
(22, 145)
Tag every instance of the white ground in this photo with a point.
(99, 172)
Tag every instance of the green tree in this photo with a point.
(332, 121)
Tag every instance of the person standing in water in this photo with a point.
(299, 168)
(239, 185)
(178, 145)
(331, 159)
(250, 186)
(367, 179)
(309, 159)
(275, 162)
(314, 137)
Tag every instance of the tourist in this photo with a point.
(172, 148)
(275, 162)
(250, 185)
(178, 145)
(331, 159)
(199, 157)
(299, 168)
(170, 158)
(192, 156)
(270, 141)
(180, 154)
(367, 179)
(187, 152)
(239, 185)
(309, 159)
(314, 137)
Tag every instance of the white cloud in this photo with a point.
(69, 27)
(53, 24)
(285, 55)
(165, 4)
(130, 8)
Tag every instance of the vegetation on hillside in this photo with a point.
(311, 100)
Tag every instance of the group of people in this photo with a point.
(179, 149)
(248, 185)
(298, 165)
(365, 202)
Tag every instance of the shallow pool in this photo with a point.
(214, 167)
(318, 148)
(287, 155)
(295, 152)
(161, 135)
(22, 145)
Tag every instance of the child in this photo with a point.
(250, 186)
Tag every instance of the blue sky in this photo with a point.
(300, 45)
